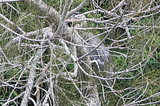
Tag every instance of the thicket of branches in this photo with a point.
(47, 52)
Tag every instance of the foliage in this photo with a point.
(135, 60)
